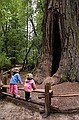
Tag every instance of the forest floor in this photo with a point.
(67, 107)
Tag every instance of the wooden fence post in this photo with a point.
(1, 77)
(4, 89)
(0, 91)
(47, 99)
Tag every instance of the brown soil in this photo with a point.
(66, 108)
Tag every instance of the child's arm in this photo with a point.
(34, 85)
(19, 78)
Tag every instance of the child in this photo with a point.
(29, 86)
(14, 81)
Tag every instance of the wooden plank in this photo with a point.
(66, 95)
(34, 102)
(50, 91)
(41, 96)
(6, 72)
(1, 86)
(31, 105)
(22, 88)
(41, 90)
(6, 86)
(5, 93)
(37, 90)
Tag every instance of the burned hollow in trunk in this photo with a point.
(56, 44)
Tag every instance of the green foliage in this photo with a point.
(32, 57)
(14, 30)
(4, 61)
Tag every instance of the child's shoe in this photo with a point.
(30, 97)
(14, 95)
(29, 100)
(17, 96)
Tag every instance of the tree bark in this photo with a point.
(60, 51)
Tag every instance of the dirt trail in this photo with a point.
(66, 103)
(11, 111)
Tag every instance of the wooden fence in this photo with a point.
(45, 93)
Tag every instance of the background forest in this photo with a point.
(20, 32)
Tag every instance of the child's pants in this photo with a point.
(14, 89)
(27, 95)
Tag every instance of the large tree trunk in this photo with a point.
(60, 52)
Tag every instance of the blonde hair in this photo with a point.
(16, 69)
(29, 75)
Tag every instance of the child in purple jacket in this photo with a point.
(29, 86)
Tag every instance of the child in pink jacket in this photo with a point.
(29, 86)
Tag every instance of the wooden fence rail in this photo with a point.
(46, 93)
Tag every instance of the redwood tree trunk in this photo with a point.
(60, 52)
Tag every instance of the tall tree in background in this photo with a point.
(20, 31)
(60, 51)
(12, 30)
